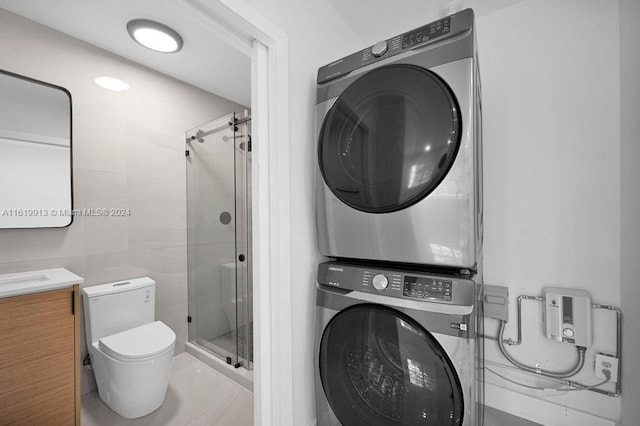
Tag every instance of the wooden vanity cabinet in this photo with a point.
(40, 358)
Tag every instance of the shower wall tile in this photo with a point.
(128, 153)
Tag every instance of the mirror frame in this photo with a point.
(68, 93)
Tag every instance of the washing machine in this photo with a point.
(398, 129)
(396, 347)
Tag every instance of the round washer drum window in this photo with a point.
(390, 138)
(380, 367)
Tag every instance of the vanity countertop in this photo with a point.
(20, 283)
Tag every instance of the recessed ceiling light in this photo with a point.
(154, 35)
(111, 83)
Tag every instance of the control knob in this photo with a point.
(380, 282)
(379, 49)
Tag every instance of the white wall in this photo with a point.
(630, 199)
(317, 35)
(552, 176)
(551, 74)
(128, 152)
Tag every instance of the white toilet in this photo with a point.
(131, 353)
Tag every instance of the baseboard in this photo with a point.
(537, 410)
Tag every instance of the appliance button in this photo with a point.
(380, 282)
(379, 49)
(568, 332)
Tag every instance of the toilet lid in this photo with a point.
(140, 342)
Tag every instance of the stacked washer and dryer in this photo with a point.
(399, 211)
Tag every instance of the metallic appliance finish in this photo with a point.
(445, 227)
(452, 323)
(379, 49)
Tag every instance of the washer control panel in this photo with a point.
(420, 286)
(380, 282)
(427, 288)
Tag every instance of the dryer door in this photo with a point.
(390, 138)
(380, 367)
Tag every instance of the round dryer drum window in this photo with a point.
(390, 138)
(380, 367)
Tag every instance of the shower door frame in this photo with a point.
(267, 46)
(209, 149)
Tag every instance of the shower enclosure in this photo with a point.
(218, 156)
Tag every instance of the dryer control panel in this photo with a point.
(456, 24)
(398, 283)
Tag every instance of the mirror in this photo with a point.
(35, 154)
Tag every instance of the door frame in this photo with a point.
(267, 45)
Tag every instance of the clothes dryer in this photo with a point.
(396, 347)
(399, 149)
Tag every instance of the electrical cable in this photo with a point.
(575, 386)
(518, 383)
(580, 386)
(553, 374)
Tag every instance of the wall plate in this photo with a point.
(496, 302)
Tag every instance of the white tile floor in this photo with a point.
(197, 395)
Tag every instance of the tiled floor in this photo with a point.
(197, 396)
(200, 396)
(493, 417)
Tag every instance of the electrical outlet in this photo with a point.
(606, 362)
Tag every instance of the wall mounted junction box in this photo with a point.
(496, 302)
(566, 315)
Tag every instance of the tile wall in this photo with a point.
(128, 152)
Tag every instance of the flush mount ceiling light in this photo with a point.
(110, 83)
(154, 35)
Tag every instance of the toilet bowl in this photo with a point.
(130, 352)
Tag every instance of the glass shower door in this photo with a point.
(218, 234)
(244, 288)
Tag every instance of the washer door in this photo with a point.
(380, 367)
(390, 138)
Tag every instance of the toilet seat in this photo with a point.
(139, 343)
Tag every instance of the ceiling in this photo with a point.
(374, 20)
(210, 59)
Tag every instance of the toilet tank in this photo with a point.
(115, 307)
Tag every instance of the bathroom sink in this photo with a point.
(36, 281)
